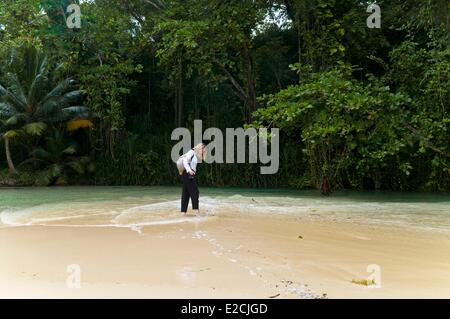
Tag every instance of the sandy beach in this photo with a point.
(226, 256)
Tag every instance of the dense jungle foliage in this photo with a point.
(367, 108)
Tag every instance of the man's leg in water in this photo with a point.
(184, 194)
(194, 193)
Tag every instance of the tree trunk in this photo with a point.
(149, 93)
(12, 169)
(299, 47)
(195, 92)
(247, 95)
(180, 98)
(250, 82)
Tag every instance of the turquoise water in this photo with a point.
(135, 207)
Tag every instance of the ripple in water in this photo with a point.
(138, 207)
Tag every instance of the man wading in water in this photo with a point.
(187, 166)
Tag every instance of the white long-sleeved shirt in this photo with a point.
(190, 161)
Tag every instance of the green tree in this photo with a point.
(349, 132)
(29, 103)
(214, 39)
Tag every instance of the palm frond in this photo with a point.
(33, 62)
(70, 150)
(7, 110)
(13, 120)
(8, 97)
(39, 78)
(78, 110)
(34, 89)
(3, 91)
(11, 134)
(30, 161)
(77, 166)
(40, 153)
(69, 113)
(70, 97)
(59, 90)
(47, 109)
(36, 128)
(15, 88)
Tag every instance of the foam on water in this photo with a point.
(138, 207)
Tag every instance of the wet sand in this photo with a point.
(226, 256)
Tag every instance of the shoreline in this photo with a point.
(226, 256)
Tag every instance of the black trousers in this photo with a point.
(190, 190)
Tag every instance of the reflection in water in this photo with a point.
(135, 207)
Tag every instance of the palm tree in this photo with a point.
(28, 103)
(8, 136)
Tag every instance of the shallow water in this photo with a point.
(135, 207)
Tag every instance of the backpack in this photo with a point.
(180, 165)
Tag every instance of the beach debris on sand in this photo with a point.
(302, 291)
(363, 282)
